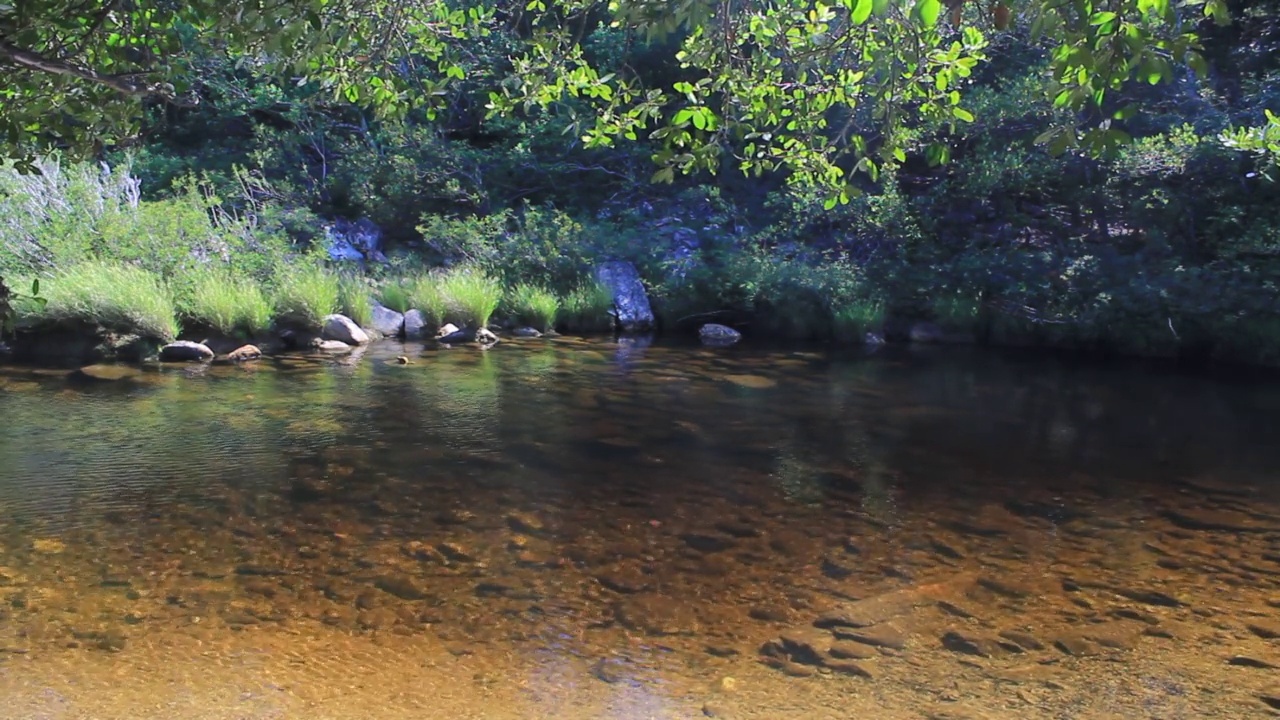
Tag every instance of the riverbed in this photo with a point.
(569, 528)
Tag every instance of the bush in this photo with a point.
(534, 306)
(306, 294)
(588, 308)
(426, 296)
(470, 296)
(229, 304)
(355, 300)
(79, 212)
(111, 295)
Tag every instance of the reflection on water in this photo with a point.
(586, 529)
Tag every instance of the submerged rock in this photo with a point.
(185, 351)
(718, 335)
(526, 332)
(386, 321)
(244, 353)
(343, 329)
(631, 307)
(106, 373)
(330, 345)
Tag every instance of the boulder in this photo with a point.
(344, 330)
(526, 332)
(386, 321)
(447, 330)
(631, 308)
(415, 326)
(185, 351)
(244, 353)
(355, 241)
(483, 336)
(718, 335)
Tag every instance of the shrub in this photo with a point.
(354, 300)
(534, 306)
(306, 294)
(589, 308)
(227, 303)
(470, 296)
(425, 296)
(112, 295)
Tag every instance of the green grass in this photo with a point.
(355, 300)
(306, 294)
(588, 309)
(471, 296)
(425, 295)
(227, 303)
(852, 321)
(534, 306)
(395, 295)
(112, 295)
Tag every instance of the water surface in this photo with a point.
(589, 529)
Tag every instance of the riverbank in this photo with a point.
(120, 277)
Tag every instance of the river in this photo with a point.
(568, 528)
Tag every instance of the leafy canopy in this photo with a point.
(818, 89)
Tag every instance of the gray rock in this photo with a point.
(386, 321)
(343, 329)
(718, 335)
(185, 351)
(355, 241)
(485, 336)
(631, 307)
(526, 332)
(925, 332)
(456, 337)
(332, 346)
(415, 326)
(873, 339)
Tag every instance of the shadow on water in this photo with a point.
(578, 528)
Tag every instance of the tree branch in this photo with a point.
(127, 84)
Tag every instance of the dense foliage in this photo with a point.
(1092, 175)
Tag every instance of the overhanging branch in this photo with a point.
(127, 84)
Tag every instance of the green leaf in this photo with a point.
(928, 12)
(862, 11)
(962, 114)
(35, 287)
(900, 154)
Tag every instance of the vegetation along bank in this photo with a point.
(990, 176)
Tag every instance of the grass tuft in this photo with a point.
(355, 301)
(589, 308)
(229, 304)
(425, 296)
(852, 322)
(395, 295)
(306, 294)
(470, 296)
(534, 306)
(111, 295)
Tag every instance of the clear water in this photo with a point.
(586, 529)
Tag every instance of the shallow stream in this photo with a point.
(587, 529)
